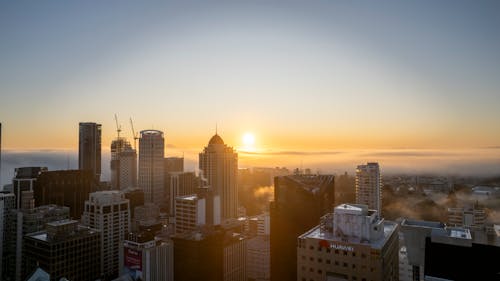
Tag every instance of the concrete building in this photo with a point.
(24, 182)
(299, 203)
(174, 165)
(190, 213)
(108, 212)
(148, 259)
(258, 258)
(146, 216)
(123, 165)
(22, 222)
(211, 254)
(179, 184)
(218, 165)
(64, 249)
(439, 252)
(7, 205)
(65, 188)
(369, 186)
(151, 166)
(353, 244)
(89, 148)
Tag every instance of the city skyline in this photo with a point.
(347, 76)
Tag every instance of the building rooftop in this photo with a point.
(317, 233)
(216, 139)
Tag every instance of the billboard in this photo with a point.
(133, 263)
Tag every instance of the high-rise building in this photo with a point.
(65, 188)
(299, 202)
(219, 170)
(64, 249)
(174, 165)
(352, 244)
(22, 222)
(7, 204)
(151, 166)
(179, 184)
(24, 181)
(439, 252)
(148, 258)
(212, 254)
(89, 148)
(108, 212)
(369, 186)
(190, 213)
(136, 198)
(123, 165)
(258, 258)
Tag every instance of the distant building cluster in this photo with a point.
(156, 221)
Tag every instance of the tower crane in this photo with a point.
(134, 134)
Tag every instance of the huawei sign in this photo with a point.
(326, 244)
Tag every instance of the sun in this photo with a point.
(248, 140)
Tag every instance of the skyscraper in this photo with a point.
(89, 148)
(151, 166)
(108, 212)
(123, 165)
(64, 249)
(299, 203)
(369, 186)
(219, 168)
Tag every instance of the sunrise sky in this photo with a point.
(300, 76)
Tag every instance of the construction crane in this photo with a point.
(134, 134)
(118, 127)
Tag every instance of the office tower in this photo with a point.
(212, 254)
(146, 217)
(199, 256)
(174, 165)
(64, 249)
(65, 188)
(7, 204)
(89, 149)
(151, 166)
(353, 243)
(258, 256)
(189, 213)
(136, 198)
(299, 202)
(108, 212)
(25, 221)
(123, 165)
(180, 184)
(24, 181)
(219, 167)
(438, 252)
(148, 258)
(234, 257)
(369, 186)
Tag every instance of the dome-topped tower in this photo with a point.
(216, 139)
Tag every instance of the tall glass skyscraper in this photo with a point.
(89, 148)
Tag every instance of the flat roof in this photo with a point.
(316, 233)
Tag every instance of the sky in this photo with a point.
(301, 76)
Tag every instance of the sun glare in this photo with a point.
(248, 140)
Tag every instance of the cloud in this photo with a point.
(291, 153)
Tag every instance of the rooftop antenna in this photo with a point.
(118, 127)
(134, 134)
(216, 128)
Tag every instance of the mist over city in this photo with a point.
(249, 140)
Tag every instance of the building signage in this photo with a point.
(133, 263)
(326, 244)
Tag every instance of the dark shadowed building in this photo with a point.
(89, 148)
(299, 203)
(65, 188)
